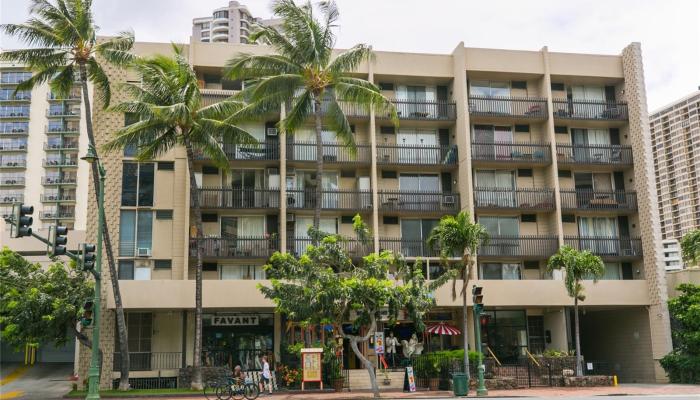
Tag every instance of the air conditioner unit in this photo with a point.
(143, 252)
(448, 200)
(271, 131)
(291, 217)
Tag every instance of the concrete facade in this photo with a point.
(231, 24)
(543, 148)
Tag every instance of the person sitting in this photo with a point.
(238, 376)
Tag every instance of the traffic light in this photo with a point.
(86, 319)
(478, 298)
(23, 220)
(87, 257)
(58, 240)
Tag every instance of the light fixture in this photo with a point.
(91, 155)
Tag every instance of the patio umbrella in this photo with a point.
(443, 329)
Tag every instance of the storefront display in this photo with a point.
(237, 339)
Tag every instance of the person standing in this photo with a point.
(266, 377)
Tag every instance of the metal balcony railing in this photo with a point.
(56, 180)
(519, 246)
(55, 198)
(525, 107)
(13, 163)
(13, 146)
(252, 152)
(330, 199)
(408, 247)
(150, 360)
(536, 153)
(416, 155)
(332, 152)
(59, 163)
(220, 197)
(67, 129)
(594, 154)
(61, 146)
(63, 113)
(57, 215)
(607, 246)
(7, 198)
(583, 199)
(354, 247)
(424, 110)
(12, 181)
(586, 109)
(525, 198)
(237, 247)
(399, 200)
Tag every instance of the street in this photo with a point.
(41, 381)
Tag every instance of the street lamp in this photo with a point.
(94, 371)
(478, 300)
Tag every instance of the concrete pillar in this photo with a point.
(373, 169)
(555, 324)
(283, 184)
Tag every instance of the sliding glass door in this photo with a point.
(502, 185)
(599, 235)
(419, 191)
(414, 234)
(417, 146)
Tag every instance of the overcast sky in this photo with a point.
(669, 30)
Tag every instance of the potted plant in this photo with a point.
(387, 378)
(433, 369)
(336, 377)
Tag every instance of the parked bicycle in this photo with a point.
(230, 388)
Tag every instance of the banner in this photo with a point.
(379, 343)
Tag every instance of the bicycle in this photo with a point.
(233, 388)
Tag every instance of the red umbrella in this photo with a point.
(443, 329)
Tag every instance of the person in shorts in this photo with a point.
(266, 377)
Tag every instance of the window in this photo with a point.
(389, 174)
(522, 128)
(500, 271)
(535, 328)
(346, 219)
(490, 89)
(561, 129)
(419, 182)
(386, 86)
(163, 264)
(135, 232)
(414, 233)
(137, 184)
(528, 218)
(241, 272)
(501, 226)
(139, 328)
(387, 130)
(166, 166)
(525, 172)
(209, 170)
(164, 214)
(221, 14)
(126, 270)
(390, 220)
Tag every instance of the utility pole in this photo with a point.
(478, 300)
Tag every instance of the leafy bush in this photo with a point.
(683, 364)
(682, 368)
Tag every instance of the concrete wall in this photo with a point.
(675, 278)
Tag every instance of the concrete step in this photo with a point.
(359, 379)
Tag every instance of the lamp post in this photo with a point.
(478, 300)
(94, 371)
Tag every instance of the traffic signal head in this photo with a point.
(87, 257)
(23, 220)
(477, 295)
(58, 240)
(86, 320)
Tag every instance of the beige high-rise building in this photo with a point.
(231, 24)
(675, 136)
(544, 148)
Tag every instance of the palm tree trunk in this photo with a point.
(197, 357)
(465, 319)
(579, 370)
(319, 164)
(119, 308)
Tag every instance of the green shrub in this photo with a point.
(682, 368)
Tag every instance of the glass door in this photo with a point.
(329, 180)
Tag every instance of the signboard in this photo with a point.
(409, 381)
(311, 366)
(235, 320)
(379, 343)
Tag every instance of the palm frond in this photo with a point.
(336, 120)
(99, 79)
(63, 81)
(117, 50)
(298, 114)
(34, 33)
(350, 60)
(251, 66)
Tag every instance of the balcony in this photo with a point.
(9, 198)
(20, 97)
(519, 246)
(417, 155)
(408, 247)
(15, 115)
(62, 130)
(57, 198)
(13, 163)
(519, 107)
(525, 153)
(15, 131)
(300, 199)
(67, 146)
(239, 247)
(58, 181)
(590, 110)
(213, 96)
(52, 214)
(594, 154)
(422, 202)
(227, 197)
(354, 247)
(10, 147)
(73, 96)
(58, 163)
(424, 110)
(607, 247)
(12, 181)
(63, 113)
(149, 361)
(584, 199)
(333, 153)
(525, 198)
(264, 151)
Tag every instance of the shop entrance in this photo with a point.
(230, 341)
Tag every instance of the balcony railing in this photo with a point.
(55, 198)
(212, 96)
(13, 163)
(57, 215)
(594, 154)
(219, 197)
(537, 153)
(519, 246)
(238, 247)
(424, 110)
(408, 247)
(253, 152)
(60, 146)
(15, 130)
(524, 107)
(58, 163)
(72, 96)
(12, 181)
(586, 109)
(416, 155)
(63, 113)
(15, 146)
(526, 198)
(11, 198)
(330, 199)
(353, 247)
(607, 246)
(584, 199)
(150, 361)
(332, 153)
(55, 130)
(55, 180)
(399, 200)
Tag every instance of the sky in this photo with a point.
(669, 30)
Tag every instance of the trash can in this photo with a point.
(459, 384)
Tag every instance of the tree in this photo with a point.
(459, 235)
(62, 46)
(41, 305)
(305, 76)
(577, 266)
(690, 247)
(683, 364)
(324, 286)
(168, 104)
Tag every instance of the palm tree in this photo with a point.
(577, 266)
(459, 235)
(690, 247)
(63, 49)
(170, 110)
(304, 74)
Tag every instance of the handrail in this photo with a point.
(532, 357)
(494, 356)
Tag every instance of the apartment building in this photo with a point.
(231, 24)
(543, 148)
(675, 135)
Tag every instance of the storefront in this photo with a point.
(237, 339)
